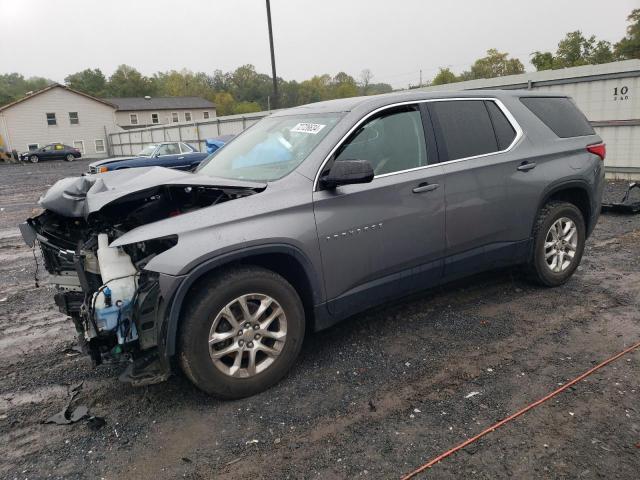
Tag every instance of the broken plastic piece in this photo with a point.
(65, 418)
(624, 206)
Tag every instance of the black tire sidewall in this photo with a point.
(545, 275)
(194, 347)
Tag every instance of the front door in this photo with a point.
(169, 155)
(385, 238)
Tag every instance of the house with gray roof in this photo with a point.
(138, 112)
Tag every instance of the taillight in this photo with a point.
(599, 149)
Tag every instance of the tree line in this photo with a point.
(245, 90)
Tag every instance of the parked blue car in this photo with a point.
(216, 143)
(177, 155)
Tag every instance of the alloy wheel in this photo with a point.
(247, 335)
(561, 244)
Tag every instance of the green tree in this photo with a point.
(444, 75)
(126, 81)
(574, 50)
(14, 86)
(247, 107)
(496, 64)
(629, 46)
(90, 81)
(225, 103)
(343, 86)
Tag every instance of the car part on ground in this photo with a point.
(625, 205)
(312, 215)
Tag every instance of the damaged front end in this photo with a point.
(115, 304)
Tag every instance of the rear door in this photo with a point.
(474, 139)
(385, 238)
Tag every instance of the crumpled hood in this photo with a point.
(82, 196)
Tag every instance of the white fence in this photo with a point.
(129, 142)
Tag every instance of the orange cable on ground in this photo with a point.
(469, 441)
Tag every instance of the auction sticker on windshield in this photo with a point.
(307, 128)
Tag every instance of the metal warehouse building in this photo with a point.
(608, 94)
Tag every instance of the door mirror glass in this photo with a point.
(346, 172)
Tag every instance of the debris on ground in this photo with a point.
(66, 416)
(472, 394)
(625, 205)
(96, 423)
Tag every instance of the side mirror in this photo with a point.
(346, 172)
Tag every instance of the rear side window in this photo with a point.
(505, 132)
(560, 115)
(463, 129)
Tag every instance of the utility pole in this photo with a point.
(421, 78)
(273, 58)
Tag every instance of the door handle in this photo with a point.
(180, 158)
(526, 166)
(425, 187)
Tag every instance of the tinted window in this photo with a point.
(463, 129)
(505, 132)
(560, 115)
(392, 141)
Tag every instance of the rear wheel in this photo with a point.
(241, 333)
(33, 158)
(559, 239)
(69, 157)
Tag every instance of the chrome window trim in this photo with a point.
(514, 123)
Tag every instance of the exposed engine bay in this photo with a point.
(115, 304)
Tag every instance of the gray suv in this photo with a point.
(309, 216)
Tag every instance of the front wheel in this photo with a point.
(33, 158)
(241, 333)
(559, 239)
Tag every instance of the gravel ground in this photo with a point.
(373, 397)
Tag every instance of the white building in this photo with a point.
(58, 114)
(135, 112)
(608, 94)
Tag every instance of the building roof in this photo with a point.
(51, 87)
(585, 73)
(159, 103)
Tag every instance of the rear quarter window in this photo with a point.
(559, 114)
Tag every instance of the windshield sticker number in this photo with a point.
(307, 128)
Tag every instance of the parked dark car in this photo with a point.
(176, 155)
(311, 215)
(53, 151)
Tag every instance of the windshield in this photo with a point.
(270, 149)
(147, 151)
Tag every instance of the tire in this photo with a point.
(33, 158)
(548, 264)
(69, 157)
(204, 318)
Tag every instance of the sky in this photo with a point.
(394, 39)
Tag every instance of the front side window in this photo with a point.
(48, 148)
(169, 149)
(155, 118)
(185, 148)
(51, 119)
(270, 149)
(133, 118)
(463, 129)
(392, 141)
(147, 151)
(174, 117)
(73, 118)
(100, 146)
(187, 116)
